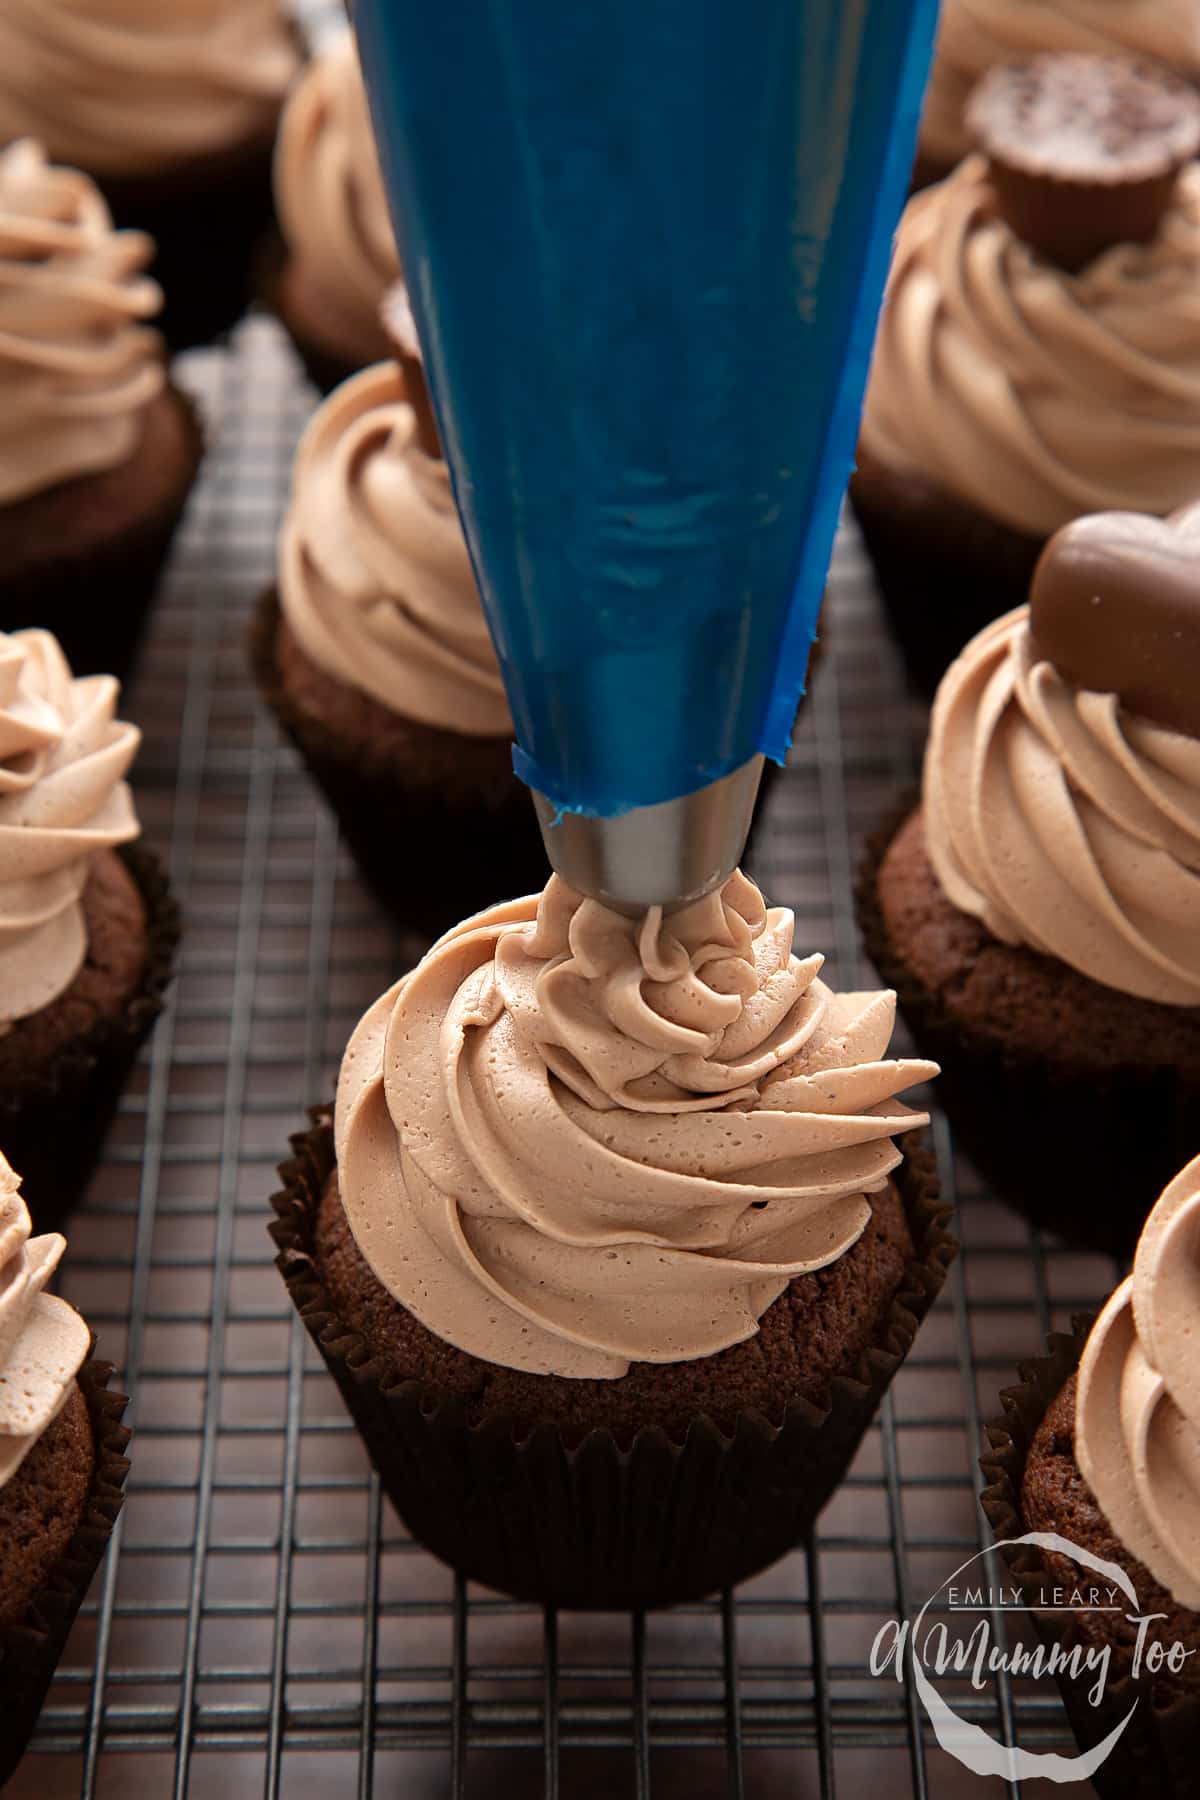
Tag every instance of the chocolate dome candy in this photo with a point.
(1115, 606)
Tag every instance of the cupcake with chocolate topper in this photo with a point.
(62, 1468)
(977, 35)
(1038, 355)
(373, 652)
(616, 1240)
(1100, 1446)
(87, 925)
(98, 451)
(172, 110)
(338, 254)
(1039, 912)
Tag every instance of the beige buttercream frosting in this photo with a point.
(63, 798)
(328, 187)
(1063, 821)
(1033, 394)
(119, 87)
(43, 1341)
(374, 576)
(78, 366)
(1137, 1403)
(975, 35)
(569, 1140)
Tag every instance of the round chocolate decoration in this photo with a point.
(1084, 151)
(1115, 606)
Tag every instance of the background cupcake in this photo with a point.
(97, 450)
(1039, 913)
(338, 255)
(375, 655)
(1009, 393)
(87, 927)
(172, 109)
(1100, 1444)
(613, 1252)
(62, 1469)
(975, 35)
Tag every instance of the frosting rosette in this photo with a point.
(375, 580)
(975, 35)
(63, 798)
(43, 1341)
(1063, 821)
(570, 1140)
(78, 365)
(328, 185)
(1137, 1403)
(123, 86)
(1034, 394)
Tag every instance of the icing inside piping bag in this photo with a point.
(646, 242)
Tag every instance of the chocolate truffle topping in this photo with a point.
(1084, 151)
(396, 314)
(1115, 606)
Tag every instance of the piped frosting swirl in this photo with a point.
(329, 190)
(78, 366)
(1137, 1407)
(43, 1341)
(123, 86)
(1034, 394)
(375, 580)
(569, 1140)
(1064, 822)
(63, 798)
(976, 35)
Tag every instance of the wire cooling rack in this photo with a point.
(263, 1624)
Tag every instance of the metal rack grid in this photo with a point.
(263, 1624)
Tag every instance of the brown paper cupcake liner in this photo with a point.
(322, 363)
(207, 218)
(1076, 1152)
(597, 1523)
(1156, 1757)
(432, 858)
(944, 569)
(54, 1120)
(96, 601)
(30, 1651)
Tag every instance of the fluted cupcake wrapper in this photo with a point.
(53, 1120)
(598, 1524)
(1076, 1152)
(30, 1651)
(431, 858)
(207, 217)
(95, 601)
(1156, 1756)
(944, 569)
(323, 365)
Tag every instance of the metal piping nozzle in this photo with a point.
(664, 855)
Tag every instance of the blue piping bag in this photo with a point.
(645, 243)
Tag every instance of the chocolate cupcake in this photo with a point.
(338, 253)
(611, 1249)
(98, 451)
(87, 926)
(1020, 382)
(374, 653)
(62, 1469)
(977, 35)
(1039, 912)
(172, 110)
(1100, 1445)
